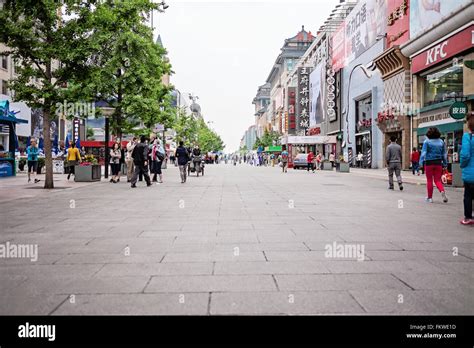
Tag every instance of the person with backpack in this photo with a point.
(434, 158)
(32, 152)
(467, 165)
(284, 160)
(140, 160)
(182, 156)
(157, 157)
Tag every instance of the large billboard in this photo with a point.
(360, 30)
(424, 13)
(316, 113)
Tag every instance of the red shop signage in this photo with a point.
(291, 108)
(444, 50)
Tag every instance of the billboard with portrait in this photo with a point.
(316, 113)
(426, 13)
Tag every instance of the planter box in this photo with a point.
(326, 166)
(343, 167)
(87, 173)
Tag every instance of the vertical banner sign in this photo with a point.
(291, 110)
(302, 106)
(330, 95)
(75, 129)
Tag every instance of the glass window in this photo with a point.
(443, 84)
(4, 62)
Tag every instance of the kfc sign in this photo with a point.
(437, 52)
(444, 50)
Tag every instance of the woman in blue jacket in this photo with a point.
(467, 165)
(434, 157)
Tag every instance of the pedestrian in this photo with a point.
(182, 156)
(332, 159)
(158, 156)
(360, 159)
(284, 160)
(415, 159)
(310, 160)
(319, 158)
(140, 161)
(32, 152)
(393, 156)
(467, 165)
(115, 156)
(128, 158)
(73, 158)
(434, 158)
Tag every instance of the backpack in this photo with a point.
(160, 155)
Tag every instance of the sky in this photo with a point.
(222, 50)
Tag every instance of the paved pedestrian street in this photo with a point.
(240, 240)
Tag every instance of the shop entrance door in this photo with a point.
(364, 146)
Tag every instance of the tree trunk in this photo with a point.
(48, 163)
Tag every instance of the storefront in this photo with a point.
(8, 139)
(305, 144)
(442, 78)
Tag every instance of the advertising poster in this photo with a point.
(316, 113)
(426, 13)
(359, 31)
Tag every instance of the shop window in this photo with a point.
(443, 84)
(364, 114)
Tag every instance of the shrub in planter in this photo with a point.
(40, 165)
(22, 164)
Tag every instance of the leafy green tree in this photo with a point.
(269, 138)
(84, 50)
(208, 140)
(38, 37)
(129, 66)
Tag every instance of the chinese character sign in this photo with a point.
(303, 103)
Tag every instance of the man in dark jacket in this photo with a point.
(140, 160)
(182, 155)
(394, 162)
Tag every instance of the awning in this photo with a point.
(310, 140)
(273, 149)
(443, 128)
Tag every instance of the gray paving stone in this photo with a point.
(213, 283)
(214, 256)
(271, 267)
(420, 302)
(12, 304)
(111, 258)
(137, 304)
(436, 281)
(338, 282)
(150, 269)
(274, 303)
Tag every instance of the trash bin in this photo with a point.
(457, 175)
